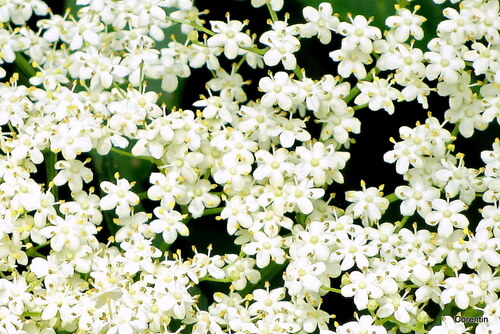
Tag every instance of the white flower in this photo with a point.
(406, 24)
(362, 325)
(74, 173)
(444, 63)
(118, 196)
(361, 286)
(418, 196)
(237, 211)
(459, 180)
(67, 232)
(403, 310)
(167, 188)
(241, 271)
(229, 36)
(321, 163)
(201, 198)
(266, 248)
(71, 139)
(276, 5)
(291, 130)
(169, 223)
(303, 275)
(268, 301)
(301, 194)
(482, 57)
(447, 215)
(275, 166)
(460, 26)
(84, 205)
(378, 94)
(369, 204)
(354, 250)
(468, 116)
(230, 85)
(321, 22)
(315, 241)
(481, 248)
(405, 153)
(448, 325)
(359, 34)
(278, 89)
(462, 289)
(169, 68)
(352, 61)
(282, 45)
(233, 171)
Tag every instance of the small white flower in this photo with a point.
(118, 196)
(74, 173)
(369, 203)
(447, 215)
(278, 89)
(448, 325)
(321, 22)
(266, 248)
(229, 36)
(378, 94)
(462, 289)
(406, 24)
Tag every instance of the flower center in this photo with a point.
(267, 245)
(359, 32)
(447, 213)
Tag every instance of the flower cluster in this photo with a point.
(86, 251)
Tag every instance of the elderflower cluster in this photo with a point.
(85, 249)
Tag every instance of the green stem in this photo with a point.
(192, 24)
(402, 223)
(273, 14)
(141, 157)
(50, 161)
(31, 314)
(24, 66)
(331, 289)
(211, 279)
(355, 90)
(392, 197)
(363, 106)
(254, 50)
(298, 72)
(33, 250)
(212, 211)
(456, 130)
(242, 60)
